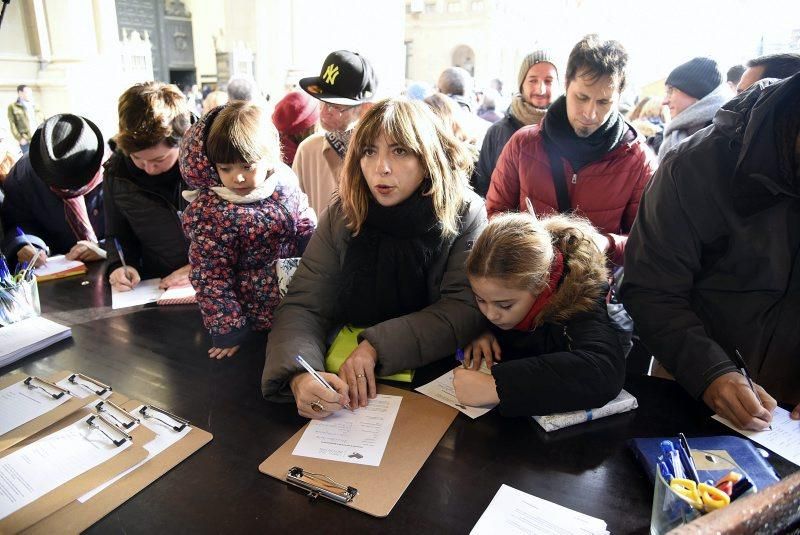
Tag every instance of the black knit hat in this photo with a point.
(697, 77)
(346, 78)
(66, 151)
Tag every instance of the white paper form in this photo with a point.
(28, 336)
(31, 472)
(357, 437)
(57, 264)
(442, 390)
(20, 403)
(784, 439)
(515, 512)
(166, 436)
(147, 291)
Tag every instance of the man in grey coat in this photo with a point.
(695, 91)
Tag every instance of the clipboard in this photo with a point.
(20, 433)
(76, 516)
(67, 492)
(420, 424)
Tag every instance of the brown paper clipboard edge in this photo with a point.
(281, 460)
(76, 516)
(79, 485)
(18, 434)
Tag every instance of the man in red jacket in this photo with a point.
(603, 163)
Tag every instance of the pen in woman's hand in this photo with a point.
(321, 380)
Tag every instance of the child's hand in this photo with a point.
(222, 352)
(485, 346)
(474, 388)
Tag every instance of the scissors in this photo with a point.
(701, 496)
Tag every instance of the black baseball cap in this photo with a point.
(346, 78)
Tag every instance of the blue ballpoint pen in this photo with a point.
(739, 362)
(121, 258)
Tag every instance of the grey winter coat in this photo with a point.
(306, 316)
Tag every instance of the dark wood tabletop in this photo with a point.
(157, 354)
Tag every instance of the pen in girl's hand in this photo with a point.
(460, 355)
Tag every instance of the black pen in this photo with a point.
(739, 362)
(690, 467)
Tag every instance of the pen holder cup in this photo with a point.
(19, 302)
(670, 510)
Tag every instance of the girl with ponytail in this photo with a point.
(551, 346)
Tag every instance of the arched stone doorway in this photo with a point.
(464, 57)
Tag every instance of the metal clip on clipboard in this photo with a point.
(94, 422)
(320, 485)
(29, 382)
(175, 419)
(103, 407)
(94, 386)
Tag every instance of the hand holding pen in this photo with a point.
(124, 278)
(28, 253)
(731, 396)
(314, 394)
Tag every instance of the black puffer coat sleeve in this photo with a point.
(559, 368)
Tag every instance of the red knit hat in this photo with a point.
(295, 112)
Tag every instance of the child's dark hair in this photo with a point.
(242, 132)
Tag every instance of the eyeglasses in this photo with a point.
(341, 110)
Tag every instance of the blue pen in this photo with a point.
(686, 454)
(460, 355)
(121, 258)
(672, 458)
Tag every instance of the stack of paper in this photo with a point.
(28, 336)
(58, 267)
(513, 511)
(178, 295)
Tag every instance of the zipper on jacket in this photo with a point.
(574, 178)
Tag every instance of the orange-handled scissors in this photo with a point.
(704, 497)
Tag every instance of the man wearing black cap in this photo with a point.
(54, 194)
(345, 86)
(695, 91)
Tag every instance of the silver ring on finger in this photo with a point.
(317, 406)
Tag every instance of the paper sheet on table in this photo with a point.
(31, 472)
(19, 404)
(147, 291)
(784, 439)
(29, 336)
(442, 390)
(515, 512)
(58, 266)
(358, 436)
(166, 436)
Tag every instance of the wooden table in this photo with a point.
(158, 355)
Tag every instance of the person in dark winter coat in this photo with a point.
(388, 255)
(142, 188)
(552, 347)
(713, 260)
(538, 84)
(246, 212)
(55, 196)
(603, 164)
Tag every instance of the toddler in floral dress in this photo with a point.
(246, 212)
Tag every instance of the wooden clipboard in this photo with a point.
(76, 516)
(18, 434)
(79, 485)
(420, 424)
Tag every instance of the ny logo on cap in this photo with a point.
(330, 74)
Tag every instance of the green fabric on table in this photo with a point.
(344, 344)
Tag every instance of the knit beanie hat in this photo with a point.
(295, 112)
(537, 56)
(697, 77)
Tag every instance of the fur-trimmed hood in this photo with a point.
(577, 294)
